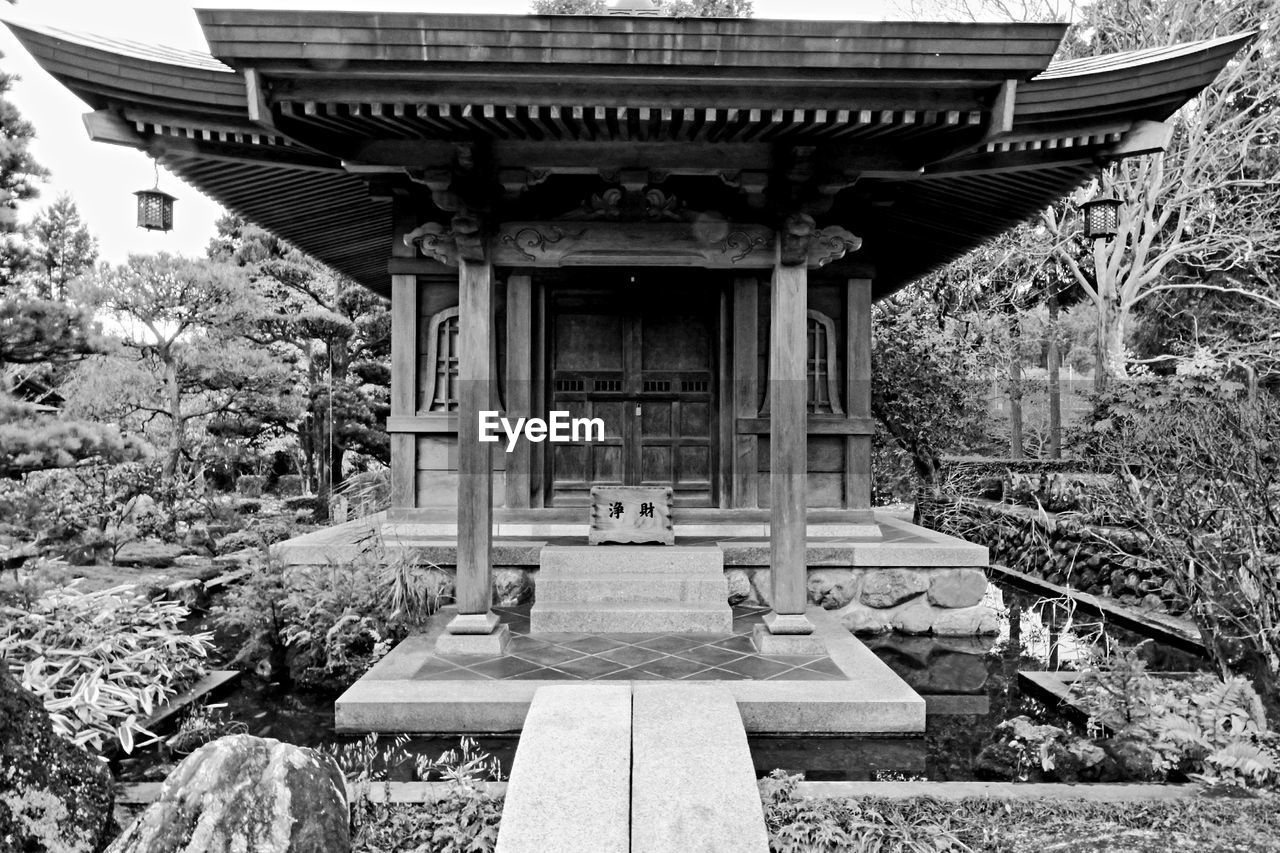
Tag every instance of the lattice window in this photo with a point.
(442, 361)
(824, 390)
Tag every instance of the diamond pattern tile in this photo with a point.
(630, 657)
(589, 667)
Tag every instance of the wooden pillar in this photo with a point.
(788, 475)
(857, 457)
(746, 390)
(519, 382)
(404, 388)
(475, 474)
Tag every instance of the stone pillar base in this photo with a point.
(474, 644)
(473, 623)
(787, 634)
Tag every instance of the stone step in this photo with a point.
(570, 787)
(633, 617)
(631, 587)
(689, 561)
(693, 785)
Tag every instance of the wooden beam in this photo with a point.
(593, 243)
(1002, 109)
(1146, 137)
(519, 382)
(110, 127)
(475, 478)
(724, 399)
(788, 472)
(746, 389)
(404, 387)
(857, 448)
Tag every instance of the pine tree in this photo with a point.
(38, 334)
(62, 248)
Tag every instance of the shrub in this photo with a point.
(327, 625)
(1200, 725)
(464, 819)
(1201, 480)
(101, 662)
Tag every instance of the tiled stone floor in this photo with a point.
(630, 657)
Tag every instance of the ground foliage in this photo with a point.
(1197, 726)
(925, 825)
(101, 662)
(463, 818)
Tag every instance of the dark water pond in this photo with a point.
(970, 685)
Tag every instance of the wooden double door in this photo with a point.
(640, 356)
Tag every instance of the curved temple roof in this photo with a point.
(929, 138)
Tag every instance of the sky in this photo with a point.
(102, 178)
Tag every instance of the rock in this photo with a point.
(914, 618)
(739, 586)
(1151, 601)
(1025, 752)
(148, 555)
(189, 592)
(54, 796)
(244, 793)
(511, 587)
(967, 621)
(832, 589)
(957, 587)
(865, 620)
(890, 587)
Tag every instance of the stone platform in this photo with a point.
(906, 579)
(846, 690)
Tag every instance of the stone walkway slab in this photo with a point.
(693, 786)
(570, 786)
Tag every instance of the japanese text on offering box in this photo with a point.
(630, 515)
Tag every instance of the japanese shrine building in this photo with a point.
(676, 225)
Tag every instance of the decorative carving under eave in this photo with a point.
(708, 242)
(463, 240)
(796, 234)
(831, 244)
(628, 205)
(530, 239)
(434, 241)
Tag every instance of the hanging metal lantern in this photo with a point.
(155, 208)
(1101, 217)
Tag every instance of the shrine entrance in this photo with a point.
(636, 349)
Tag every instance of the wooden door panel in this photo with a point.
(695, 466)
(648, 374)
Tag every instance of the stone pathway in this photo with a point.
(633, 768)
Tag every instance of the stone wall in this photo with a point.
(914, 601)
(1103, 560)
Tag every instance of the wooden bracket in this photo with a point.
(794, 238)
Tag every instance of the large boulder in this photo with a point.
(54, 796)
(890, 587)
(245, 793)
(832, 590)
(957, 587)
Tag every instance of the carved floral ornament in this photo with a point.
(704, 242)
